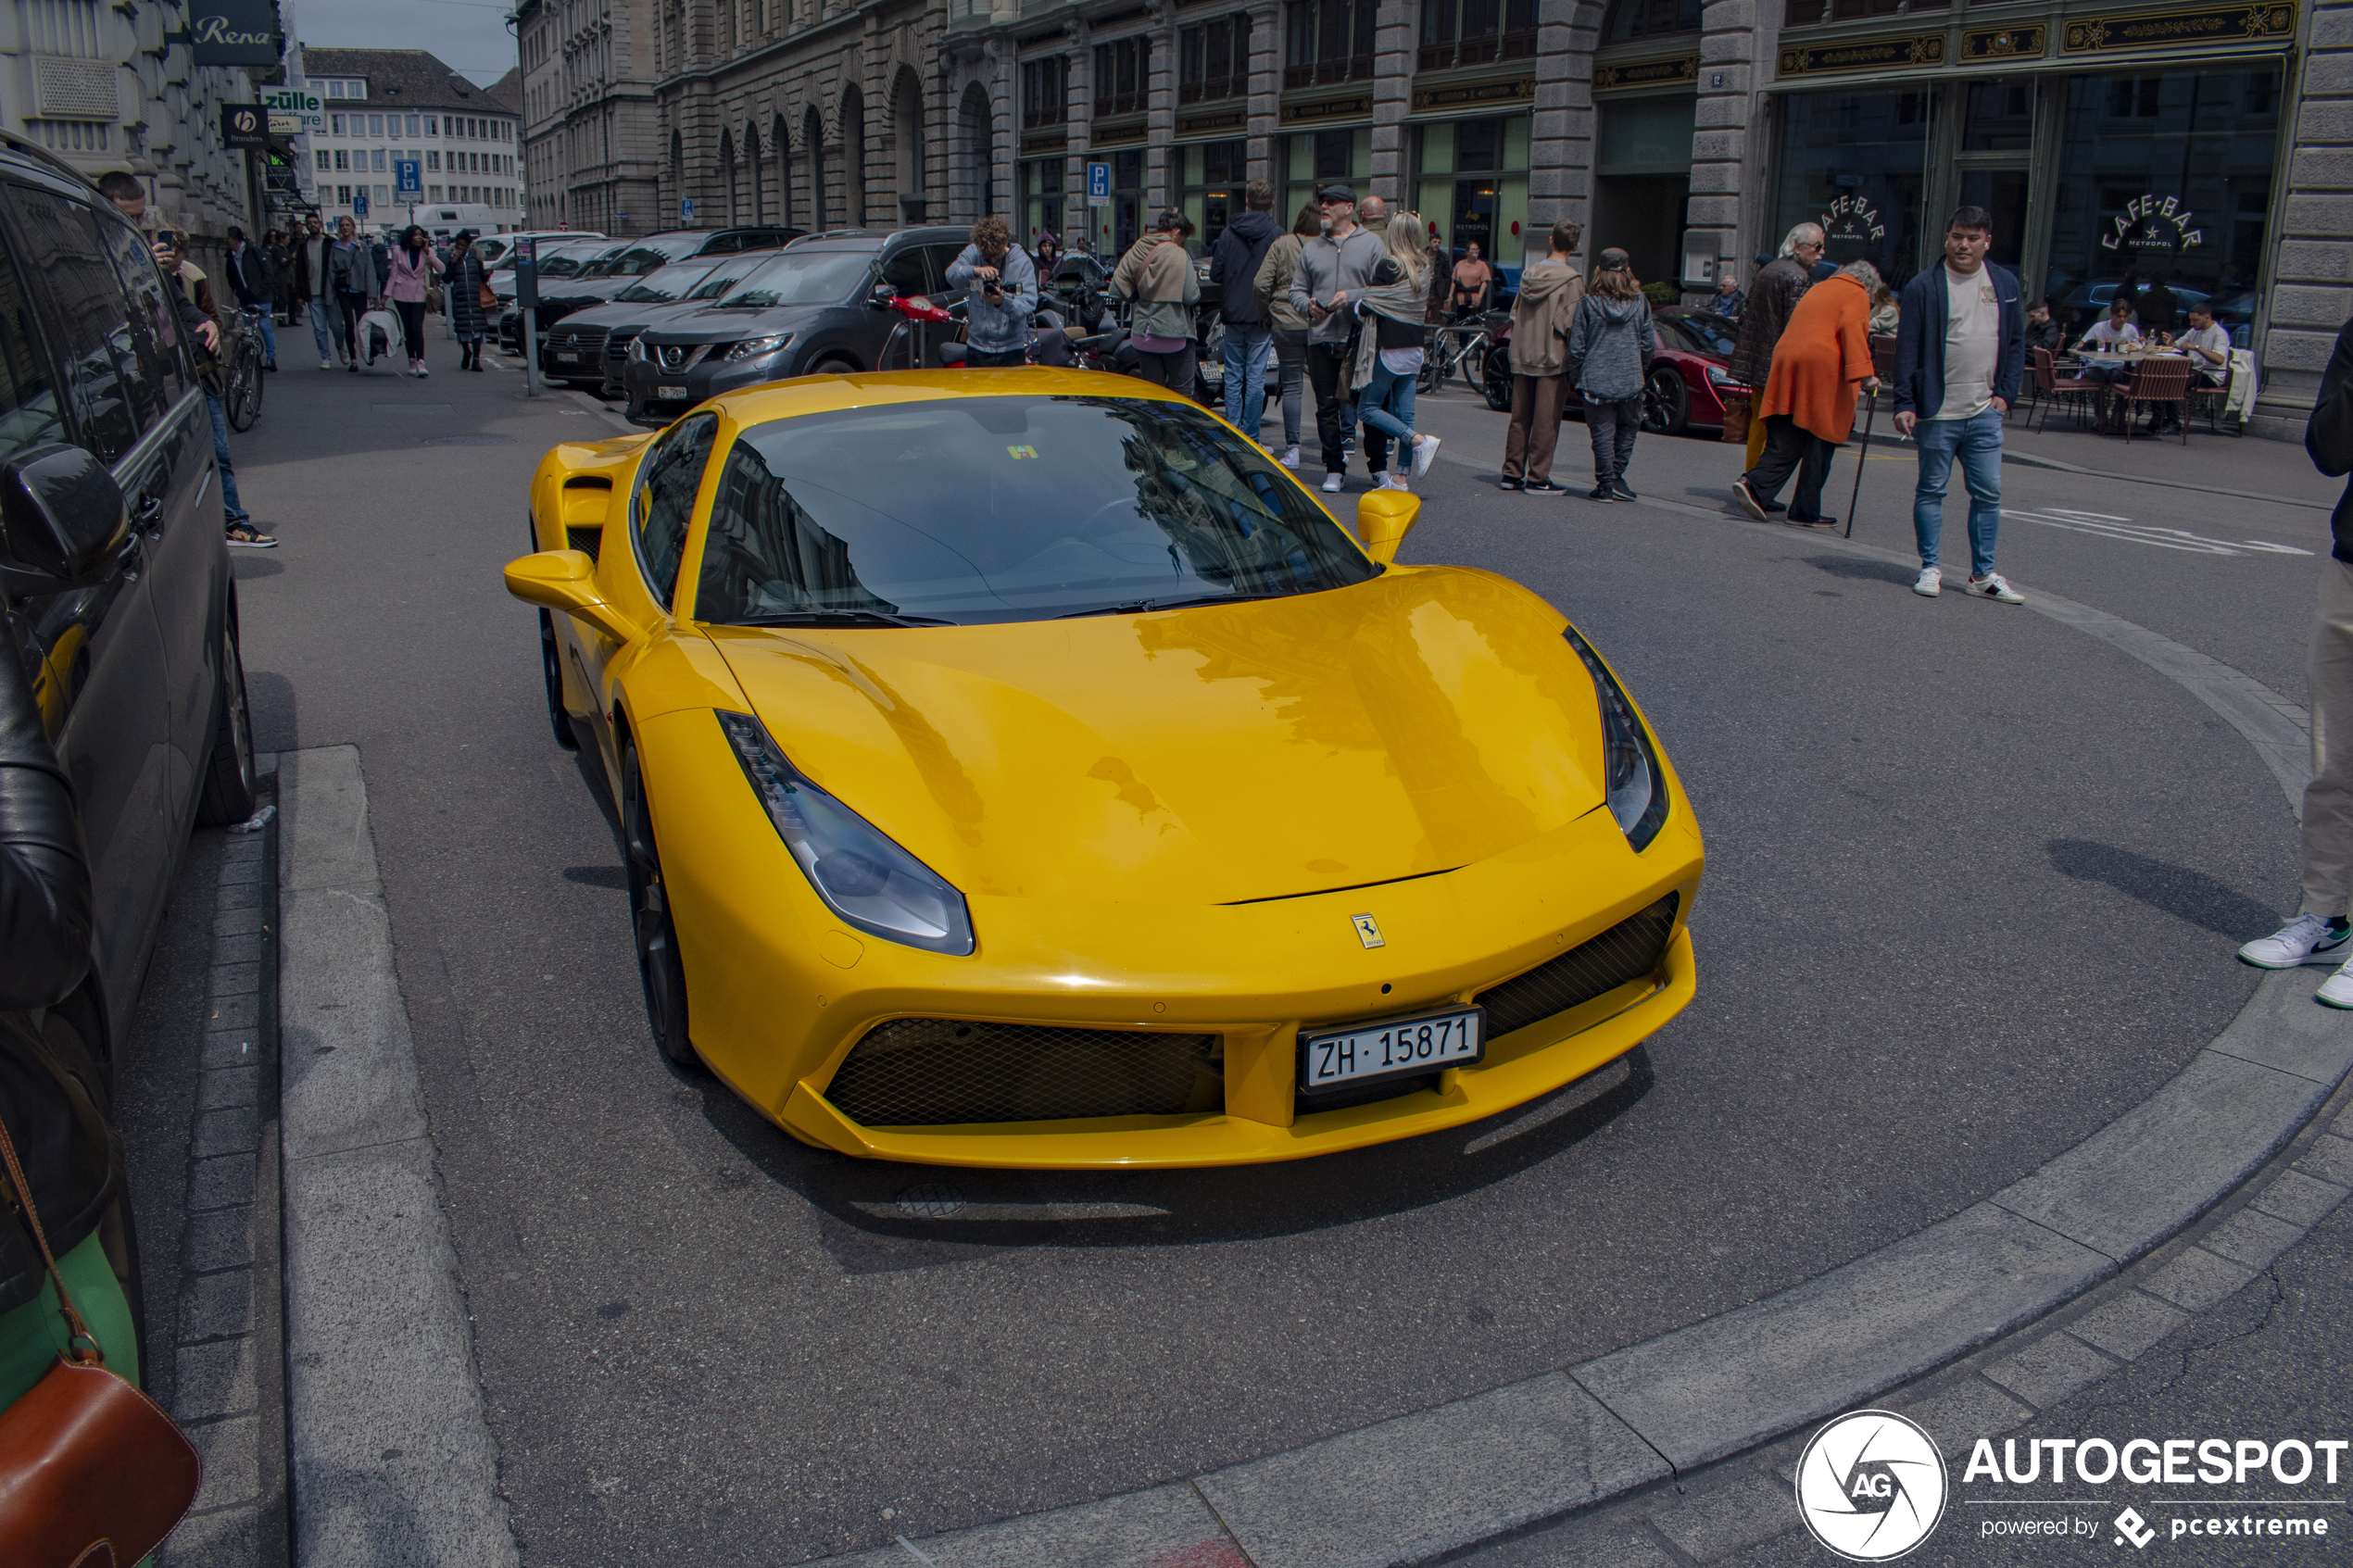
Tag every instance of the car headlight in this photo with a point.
(863, 877)
(1634, 787)
(753, 347)
(637, 348)
(1718, 376)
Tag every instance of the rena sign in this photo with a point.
(234, 32)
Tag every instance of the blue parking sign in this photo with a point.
(360, 202)
(685, 209)
(406, 177)
(1098, 184)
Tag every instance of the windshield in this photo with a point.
(803, 277)
(731, 271)
(605, 263)
(665, 284)
(1707, 334)
(1008, 509)
(651, 255)
(559, 265)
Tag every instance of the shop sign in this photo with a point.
(1478, 95)
(2275, 19)
(1851, 220)
(1885, 54)
(1114, 133)
(1210, 124)
(2151, 223)
(295, 104)
(1678, 71)
(1038, 146)
(2005, 43)
(1358, 107)
(234, 32)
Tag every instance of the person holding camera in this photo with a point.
(1001, 295)
(194, 298)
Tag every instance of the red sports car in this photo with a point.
(1685, 390)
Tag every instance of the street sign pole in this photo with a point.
(527, 302)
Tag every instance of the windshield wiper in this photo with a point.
(835, 618)
(1140, 606)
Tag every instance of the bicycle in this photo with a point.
(1454, 346)
(240, 380)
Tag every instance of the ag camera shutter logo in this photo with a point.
(1872, 1485)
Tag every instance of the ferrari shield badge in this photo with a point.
(1368, 931)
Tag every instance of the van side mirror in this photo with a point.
(61, 514)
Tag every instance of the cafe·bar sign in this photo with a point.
(2151, 223)
(2270, 22)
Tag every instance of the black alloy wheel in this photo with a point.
(660, 972)
(1667, 402)
(551, 666)
(228, 773)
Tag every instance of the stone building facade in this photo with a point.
(591, 133)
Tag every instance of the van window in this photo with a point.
(905, 272)
(29, 412)
(663, 507)
(92, 315)
(156, 336)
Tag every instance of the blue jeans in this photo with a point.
(268, 329)
(322, 326)
(1978, 442)
(231, 508)
(1246, 351)
(1387, 405)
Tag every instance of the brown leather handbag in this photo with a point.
(1737, 409)
(93, 1474)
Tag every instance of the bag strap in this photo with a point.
(77, 1331)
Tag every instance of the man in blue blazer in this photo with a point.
(1960, 348)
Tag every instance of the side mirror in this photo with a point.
(884, 294)
(566, 581)
(61, 514)
(1383, 517)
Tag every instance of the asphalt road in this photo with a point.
(1974, 884)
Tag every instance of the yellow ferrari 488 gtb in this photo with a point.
(1019, 768)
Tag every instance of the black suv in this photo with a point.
(616, 268)
(814, 306)
(116, 597)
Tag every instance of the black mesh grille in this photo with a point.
(1627, 950)
(617, 346)
(933, 1072)
(588, 343)
(586, 539)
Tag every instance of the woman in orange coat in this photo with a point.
(1822, 360)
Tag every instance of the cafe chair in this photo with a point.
(2159, 383)
(2051, 388)
(2211, 397)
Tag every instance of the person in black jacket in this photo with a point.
(250, 281)
(71, 1158)
(1233, 267)
(2319, 933)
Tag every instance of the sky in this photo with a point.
(470, 36)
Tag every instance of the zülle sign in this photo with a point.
(295, 105)
(235, 33)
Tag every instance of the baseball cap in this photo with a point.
(1338, 194)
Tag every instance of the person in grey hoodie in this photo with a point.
(1610, 349)
(1001, 294)
(1549, 292)
(1332, 270)
(1233, 266)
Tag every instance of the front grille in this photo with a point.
(586, 342)
(617, 346)
(933, 1072)
(1627, 951)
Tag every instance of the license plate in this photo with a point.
(1392, 1049)
(566, 354)
(670, 392)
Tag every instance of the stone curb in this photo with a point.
(1619, 1424)
(392, 1455)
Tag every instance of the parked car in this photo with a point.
(116, 595)
(597, 339)
(1685, 388)
(607, 275)
(554, 263)
(812, 308)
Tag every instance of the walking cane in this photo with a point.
(1860, 458)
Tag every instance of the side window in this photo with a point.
(906, 272)
(763, 554)
(102, 374)
(663, 507)
(30, 414)
(155, 319)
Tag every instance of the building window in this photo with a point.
(1123, 76)
(334, 88)
(1329, 40)
(1472, 186)
(430, 122)
(375, 125)
(432, 192)
(1043, 180)
(1210, 176)
(1801, 13)
(1473, 33)
(1311, 159)
(1212, 60)
(1856, 163)
(1045, 92)
(342, 195)
(343, 158)
(433, 160)
(412, 125)
(1633, 19)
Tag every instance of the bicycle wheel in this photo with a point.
(1472, 361)
(243, 402)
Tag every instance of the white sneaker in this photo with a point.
(326, 364)
(1291, 456)
(1425, 454)
(2336, 991)
(1931, 583)
(1395, 482)
(422, 371)
(1992, 587)
(1332, 482)
(2305, 939)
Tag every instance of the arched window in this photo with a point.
(1633, 21)
(854, 157)
(813, 153)
(973, 196)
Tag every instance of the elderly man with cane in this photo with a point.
(1773, 294)
(1808, 402)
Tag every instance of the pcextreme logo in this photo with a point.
(1872, 1485)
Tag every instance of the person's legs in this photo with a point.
(1629, 412)
(1785, 449)
(269, 333)
(1324, 367)
(232, 509)
(1601, 428)
(351, 307)
(1756, 433)
(1813, 472)
(1374, 406)
(1291, 354)
(1544, 427)
(1980, 454)
(1262, 344)
(321, 324)
(1937, 440)
(1525, 390)
(413, 327)
(2328, 800)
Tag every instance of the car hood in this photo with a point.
(1413, 723)
(584, 288)
(714, 323)
(620, 313)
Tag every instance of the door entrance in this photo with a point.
(2003, 193)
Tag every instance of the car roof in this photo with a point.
(863, 239)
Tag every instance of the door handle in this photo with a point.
(148, 514)
(129, 559)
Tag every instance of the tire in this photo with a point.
(228, 773)
(1495, 385)
(660, 974)
(551, 666)
(1667, 402)
(243, 403)
(834, 367)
